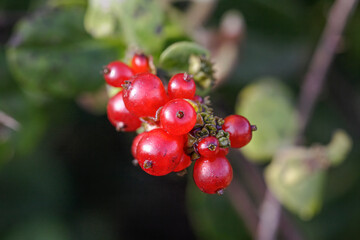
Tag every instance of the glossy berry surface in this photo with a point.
(212, 175)
(185, 162)
(144, 94)
(119, 115)
(208, 146)
(239, 129)
(158, 152)
(223, 151)
(115, 73)
(140, 63)
(178, 117)
(181, 85)
(135, 143)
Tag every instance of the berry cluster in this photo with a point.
(178, 126)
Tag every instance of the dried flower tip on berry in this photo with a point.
(253, 128)
(126, 84)
(105, 70)
(212, 147)
(187, 77)
(220, 192)
(182, 173)
(135, 162)
(180, 114)
(147, 164)
(120, 126)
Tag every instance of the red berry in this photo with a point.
(140, 63)
(115, 73)
(178, 117)
(223, 151)
(136, 142)
(144, 95)
(208, 146)
(158, 152)
(181, 85)
(119, 115)
(185, 162)
(239, 129)
(212, 175)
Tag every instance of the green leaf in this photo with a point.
(142, 24)
(268, 104)
(213, 217)
(176, 57)
(101, 18)
(39, 229)
(339, 147)
(296, 181)
(51, 54)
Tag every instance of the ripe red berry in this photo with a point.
(144, 95)
(119, 115)
(181, 85)
(115, 73)
(158, 152)
(178, 117)
(185, 162)
(239, 129)
(223, 151)
(208, 146)
(212, 175)
(140, 63)
(136, 142)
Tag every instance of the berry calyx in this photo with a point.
(158, 152)
(178, 117)
(144, 95)
(212, 175)
(140, 63)
(115, 73)
(119, 115)
(240, 130)
(181, 85)
(208, 146)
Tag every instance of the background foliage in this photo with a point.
(66, 174)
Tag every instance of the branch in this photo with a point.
(313, 83)
(322, 58)
(9, 122)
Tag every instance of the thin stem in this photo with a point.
(269, 219)
(322, 58)
(313, 83)
(9, 122)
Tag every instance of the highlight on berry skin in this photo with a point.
(177, 128)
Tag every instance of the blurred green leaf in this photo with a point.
(339, 147)
(6, 150)
(32, 185)
(101, 18)
(212, 216)
(268, 104)
(39, 229)
(295, 179)
(51, 54)
(176, 57)
(32, 120)
(142, 23)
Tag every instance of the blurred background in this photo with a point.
(65, 173)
